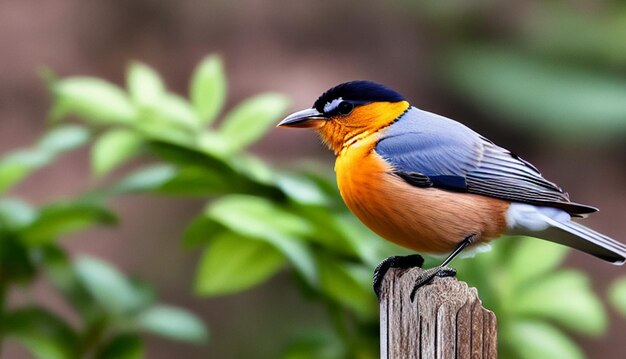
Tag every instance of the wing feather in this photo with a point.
(429, 150)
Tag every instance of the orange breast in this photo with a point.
(423, 219)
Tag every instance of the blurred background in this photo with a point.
(546, 79)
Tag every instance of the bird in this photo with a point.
(435, 186)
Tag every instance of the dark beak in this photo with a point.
(304, 119)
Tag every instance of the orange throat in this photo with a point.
(340, 132)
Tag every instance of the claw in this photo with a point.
(428, 275)
(410, 261)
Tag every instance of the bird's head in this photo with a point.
(350, 109)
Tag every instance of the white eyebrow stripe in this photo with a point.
(330, 106)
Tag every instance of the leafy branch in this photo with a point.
(113, 309)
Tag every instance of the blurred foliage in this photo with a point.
(565, 101)
(552, 67)
(112, 309)
(617, 295)
(259, 220)
(521, 282)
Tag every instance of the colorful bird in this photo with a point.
(433, 185)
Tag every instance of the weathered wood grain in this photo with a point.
(446, 320)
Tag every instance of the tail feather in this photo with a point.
(583, 238)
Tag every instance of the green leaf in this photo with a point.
(617, 295)
(112, 149)
(109, 287)
(15, 214)
(215, 144)
(63, 139)
(254, 168)
(123, 346)
(565, 102)
(16, 264)
(145, 293)
(208, 89)
(299, 255)
(184, 155)
(62, 218)
(259, 218)
(250, 120)
(302, 189)
(239, 180)
(177, 111)
(566, 298)
(154, 126)
(348, 284)
(232, 263)
(171, 119)
(219, 176)
(145, 179)
(18, 164)
(199, 182)
(61, 274)
(328, 230)
(200, 231)
(57, 264)
(44, 334)
(144, 84)
(93, 100)
(174, 323)
(188, 181)
(316, 344)
(532, 259)
(343, 233)
(532, 340)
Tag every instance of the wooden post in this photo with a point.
(445, 320)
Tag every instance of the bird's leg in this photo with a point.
(441, 270)
(414, 260)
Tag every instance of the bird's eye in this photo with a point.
(345, 108)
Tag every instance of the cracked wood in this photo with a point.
(446, 320)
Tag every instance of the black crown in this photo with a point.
(360, 91)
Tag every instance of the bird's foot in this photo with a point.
(428, 275)
(410, 261)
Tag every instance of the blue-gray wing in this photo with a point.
(429, 150)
